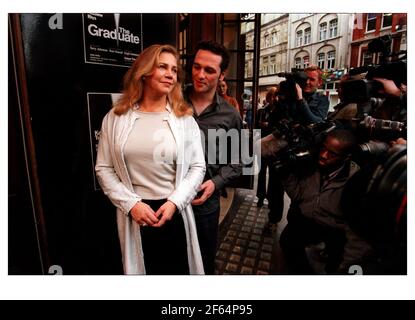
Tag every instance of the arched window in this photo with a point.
(326, 57)
(302, 60)
(303, 34)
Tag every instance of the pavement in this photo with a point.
(245, 247)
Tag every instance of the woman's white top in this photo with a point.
(150, 155)
(115, 182)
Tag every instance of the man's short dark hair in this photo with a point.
(346, 137)
(217, 49)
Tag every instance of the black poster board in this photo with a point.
(68, 98)
(112, 38)
(98, 106)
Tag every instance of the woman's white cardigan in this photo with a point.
(115, 182)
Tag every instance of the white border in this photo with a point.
(201, 287)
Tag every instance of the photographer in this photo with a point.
(375, 204)
(315, 214)
(345, 110)
(312, 106)
(263, 116)
(275, 191)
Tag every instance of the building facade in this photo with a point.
(390, 28)
(290, 41)
(322, 40)
(273, 51)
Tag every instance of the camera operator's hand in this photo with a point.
(263, 124)
(398, 141)
(270, 145)
(299, 92)
(389, 87)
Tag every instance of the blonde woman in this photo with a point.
(150, 163)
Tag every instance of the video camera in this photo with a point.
(287, 87)
(362, 90)
(299, 145)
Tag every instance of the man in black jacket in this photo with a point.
(216, 118)
(316, 214)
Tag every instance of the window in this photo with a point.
(329, 85)
(323, 31)
(299, 38)
(274, 38)
(320, 60)
(306, 61)
(264, 66)
(367, 58)
(302, 60)
(386, 20)
(331, 59)
(184, 28)
(307, 36)
(298, 63)
(272, 65)
(371, 22)
(266, 37)
(333, 28)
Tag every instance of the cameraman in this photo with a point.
(345, 110)
(311, 106)
(315, 213)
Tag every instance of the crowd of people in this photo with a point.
(159, 165)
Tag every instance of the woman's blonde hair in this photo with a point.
(133, 82)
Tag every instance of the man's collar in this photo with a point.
(188, 89)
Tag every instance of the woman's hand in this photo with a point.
(143, 214)
(165, 213)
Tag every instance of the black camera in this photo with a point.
(374, 202)
(380, 129)
(287, 88)
(302, 143)
(362, 90)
